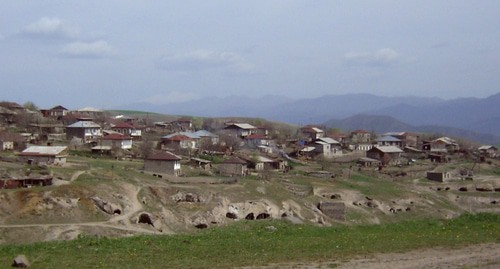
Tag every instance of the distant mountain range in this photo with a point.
(475, 118)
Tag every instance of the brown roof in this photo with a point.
(256, 136)
(123, 125)
(234, 160)
(164, 156)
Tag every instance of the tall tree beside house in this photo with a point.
(31, 106)
(146, 147)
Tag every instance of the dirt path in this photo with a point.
(485, 256)
(120, 222)
(76, 175)
(475, 256)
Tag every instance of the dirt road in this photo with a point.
(485, 256)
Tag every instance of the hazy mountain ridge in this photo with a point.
(383, 124)
(476, 115)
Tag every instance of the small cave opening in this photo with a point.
(263, 215)
(250, 216)
(201, 226)
(145, 218)
(231, 215)
(117, 212)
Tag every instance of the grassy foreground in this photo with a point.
(256, 243)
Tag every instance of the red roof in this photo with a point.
(256, 136)
(164, 156)
(123, 125)
(115, 137)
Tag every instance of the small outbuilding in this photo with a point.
(233, 166)
(163, 162)
(44, 154)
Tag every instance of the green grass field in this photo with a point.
(254, 243)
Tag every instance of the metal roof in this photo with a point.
(388, 138)
(44, 150)
(205, 133)
(84, 124)
(388, 149)
(329, 140)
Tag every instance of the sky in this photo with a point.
(109, 53)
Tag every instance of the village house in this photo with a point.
(389, 141)
(362, 147)
(261, 163)
(182, 124)
(205, 135)
(241, 130)
(327, 147)
(163, 163)
(116, 140)
(407, 138)
(25, 182)
(181, 140)
(388, 155)
(57, 112)
(444, 145)
(341, 137)
(439, 176)
(256, 140)
(360, 136)
(126, 128)
(312, 132)
(44, 154)
(365, 161)
(488, 151)
(233, 166)
(11, 141)
(87, 131)
(90, 112)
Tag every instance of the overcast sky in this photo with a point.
(107, 53)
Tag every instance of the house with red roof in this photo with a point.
(116, 140)
(126, 128)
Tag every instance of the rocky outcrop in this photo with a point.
(106, 206)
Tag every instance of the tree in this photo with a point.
(31, 106)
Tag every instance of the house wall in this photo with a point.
(439, 176)
(232, 169)
(6, 145)
(55, 160)
(163, 167)
(123, 144)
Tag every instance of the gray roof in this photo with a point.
(245, 126)
(188, 134)
(389, 139)
(388, 149)
(205, 133)
(329, 140)
(44, 150)
(84, 124)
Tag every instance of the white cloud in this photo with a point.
(380, 58)
(171, 97)
(199, 60)
(95, 49)
(49, 28)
